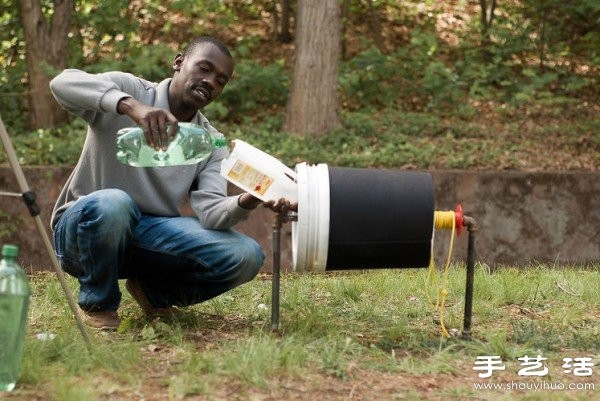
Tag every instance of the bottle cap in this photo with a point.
(10, 250)
(220, 142)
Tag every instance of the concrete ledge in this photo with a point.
(522, 218)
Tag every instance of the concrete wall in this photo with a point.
(522, 218)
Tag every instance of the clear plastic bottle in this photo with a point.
(191, 145)
(14, 303)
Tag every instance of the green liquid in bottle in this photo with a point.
(14, 302)
(191, 145)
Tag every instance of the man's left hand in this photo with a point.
(247, 201)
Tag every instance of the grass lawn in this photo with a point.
(366, 335)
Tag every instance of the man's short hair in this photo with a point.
(197, 42)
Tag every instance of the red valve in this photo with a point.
(458, 219)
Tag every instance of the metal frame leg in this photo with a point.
(471, 227)
(276, 273)
(276, 277)
(283, 217)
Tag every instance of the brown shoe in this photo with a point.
(137, 293)
(101, 320)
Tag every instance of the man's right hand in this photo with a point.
(152, 120)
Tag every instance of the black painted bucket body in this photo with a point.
(379, 219)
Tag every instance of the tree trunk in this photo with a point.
(345, 22)
(487, 17)
(284, 34)
(312, 108)
(542, 38)
(375, 24)
(275, 20)
(46, 52)
(281, 26)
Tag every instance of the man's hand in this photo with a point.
(282, 205)
(247, 201)
(152, 120)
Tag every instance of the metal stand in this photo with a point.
(469, 222)
(282, 217)
(286, 216)
(30, 201)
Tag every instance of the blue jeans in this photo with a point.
(103, 237)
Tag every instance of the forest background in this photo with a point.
(420, 84)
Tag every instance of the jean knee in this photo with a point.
(114, 207)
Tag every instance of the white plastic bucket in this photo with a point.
(310, 233)
(259, 173)
(351, 218)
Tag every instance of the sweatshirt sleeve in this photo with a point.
(86, 95)
(209, 200)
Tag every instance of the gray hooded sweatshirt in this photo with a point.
(158, 191)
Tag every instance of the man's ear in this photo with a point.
(178, 61)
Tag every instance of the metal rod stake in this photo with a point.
(276, 271)
(471, 227)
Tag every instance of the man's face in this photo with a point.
(201, 76)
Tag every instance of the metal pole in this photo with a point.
(471, 227)
(29, 198)
(276, 271)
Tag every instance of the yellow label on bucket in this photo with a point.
(249, 177)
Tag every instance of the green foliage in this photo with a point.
(390, 140)
(155, 67)
(49, 146)
(409, 77)
(254, 89)
(414, 104)
(530, 52)
(7, 226)
(367, 80)
(370, 138)
(13, 93)
(441, 83)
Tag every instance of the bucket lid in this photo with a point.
(10, 250)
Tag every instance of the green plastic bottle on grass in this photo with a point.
(191, 145)
(14, 303)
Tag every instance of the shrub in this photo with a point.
(49, 146)
(254, 89)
